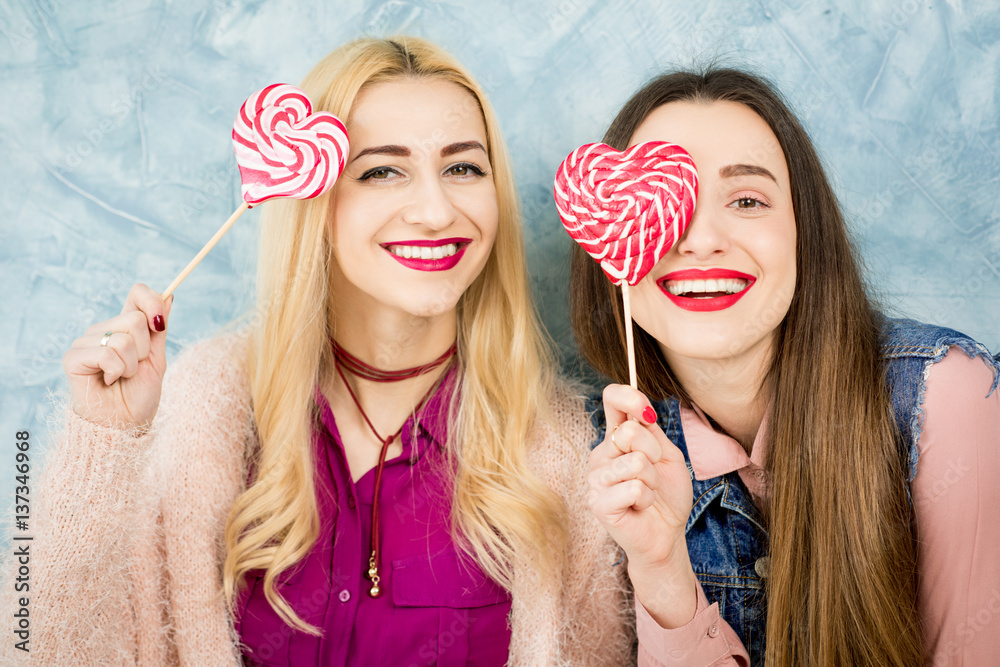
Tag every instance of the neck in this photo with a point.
(730, 391)
(392, 340)
(388, 340)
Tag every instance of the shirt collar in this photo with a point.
(432, 420)
(712, 453)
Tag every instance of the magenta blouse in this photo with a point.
(437, 608)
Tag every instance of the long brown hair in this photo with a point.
(842, 588)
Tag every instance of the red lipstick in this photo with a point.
(722, 301)
(420, 264)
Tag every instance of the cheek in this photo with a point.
(647, 303)
(356, 219)
(491, 225)
(772, 247)
(480, 206)
(781, 251)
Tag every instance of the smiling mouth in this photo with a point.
(706, 289)
(427, 255)
(424, 252)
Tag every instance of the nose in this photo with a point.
(430, 205)
(705, 236)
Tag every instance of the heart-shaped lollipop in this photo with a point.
(284, 149)
(627, 209)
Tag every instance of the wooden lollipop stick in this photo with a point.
(630, 343)
(204, 251)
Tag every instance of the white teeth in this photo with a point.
(423, 252)
(693, 287)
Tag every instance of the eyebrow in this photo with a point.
(732, 170)
(403, 151)
(460, 147)
(398, 151)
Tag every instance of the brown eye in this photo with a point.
(464, 170)
(379, 174)
(746, 202)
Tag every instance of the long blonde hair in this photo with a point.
(502, 513)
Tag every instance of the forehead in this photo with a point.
(415, 111)
(716, 134)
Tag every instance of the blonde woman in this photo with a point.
(381, 471)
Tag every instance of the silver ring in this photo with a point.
(106, 337)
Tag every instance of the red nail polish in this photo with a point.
(158, 323)
(649, 415)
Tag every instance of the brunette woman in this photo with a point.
(812, 481)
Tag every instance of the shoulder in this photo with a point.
(959, 392)
(207, 376)
(954, 494)
(562, 435)
(216, 363)
(970, 375)
(205, 416)
(910, 338)
(912, 350)
(960, 411)
(207, 379)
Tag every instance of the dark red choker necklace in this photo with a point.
(360, 369)
(365, 371)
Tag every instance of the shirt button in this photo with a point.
(760, 475)
(350, 501)
(763, 567)
(345, 595)
(713, 631)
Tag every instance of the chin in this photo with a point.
(419, 308)
(718, 340)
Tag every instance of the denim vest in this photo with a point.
(726, 538)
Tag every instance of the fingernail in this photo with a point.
(158, 323)
(649, 415)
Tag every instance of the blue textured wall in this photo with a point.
(116, 162)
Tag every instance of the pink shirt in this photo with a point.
(438, 607)
(956, 498)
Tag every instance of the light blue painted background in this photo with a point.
(117, 166)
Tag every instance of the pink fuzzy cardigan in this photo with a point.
(128, 537)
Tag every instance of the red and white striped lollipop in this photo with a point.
(627, 209)
(284, 149)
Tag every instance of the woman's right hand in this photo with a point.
(119, 383)
(641, 492)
